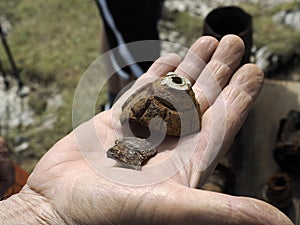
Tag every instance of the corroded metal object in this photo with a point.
(172, 99)
(278, 191)
(220, 180)
(287, 150)
(131, 151)
(230, 20)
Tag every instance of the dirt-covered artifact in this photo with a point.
(170, 98)
(131, 151)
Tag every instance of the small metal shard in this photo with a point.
(131, 152)
(170, 98)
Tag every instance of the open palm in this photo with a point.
(74, 183)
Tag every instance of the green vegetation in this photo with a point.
(54, 40)
(281, 39)
(189, 26)
(53, 43)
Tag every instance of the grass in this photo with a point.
(281, 40)
(53, 43)
(189, 26)
(56, 39)
(191, 30)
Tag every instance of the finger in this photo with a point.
(238, 97)
(184, 205)
(218, 71)
(160, 67)
(197, 57)
(224, 118)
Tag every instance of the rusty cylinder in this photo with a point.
(230, 20)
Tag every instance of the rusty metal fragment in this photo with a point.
(172, 99)
(287, 150)
(220, 180)
(278, 191)
(131, 152)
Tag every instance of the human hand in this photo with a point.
(74, 183)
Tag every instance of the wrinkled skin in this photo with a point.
(72, 192)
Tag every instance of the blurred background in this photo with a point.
(53, 42)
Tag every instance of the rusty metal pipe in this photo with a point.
(287, 150)
(278, 191)
(220, 180)
(230, 20)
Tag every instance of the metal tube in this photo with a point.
(230, 20)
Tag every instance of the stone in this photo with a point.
(292, 19)
(286, 18)
(22, 147)
(55, 102)
(263, 57)
(14, 109)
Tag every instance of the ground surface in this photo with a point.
(54, 42)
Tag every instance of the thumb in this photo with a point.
(190, 206)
